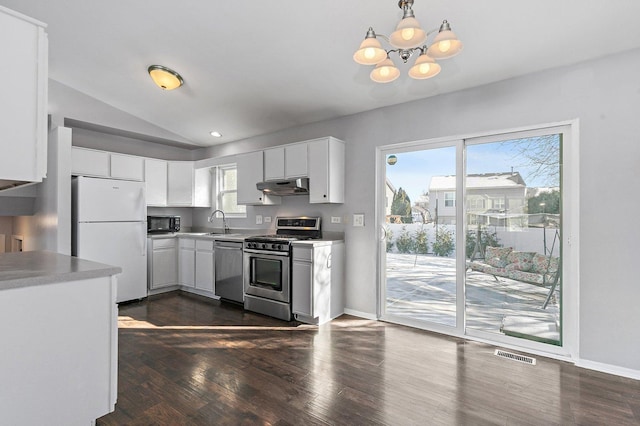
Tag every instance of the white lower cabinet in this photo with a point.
(187, 262)
(317, 291)
(205, 261)
(162, 263)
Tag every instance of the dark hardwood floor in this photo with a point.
(184, 360)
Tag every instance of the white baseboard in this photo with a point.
(359, 314)
(608, 368)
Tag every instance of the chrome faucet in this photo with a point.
(224, 220)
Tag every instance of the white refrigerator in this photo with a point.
(109, 226)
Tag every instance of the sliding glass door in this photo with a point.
(472, 236)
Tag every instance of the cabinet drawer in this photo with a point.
(187, 243)
(303, 253)
(164, 243)
(204, 245)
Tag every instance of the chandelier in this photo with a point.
(408, 38)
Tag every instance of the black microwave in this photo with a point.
(159, 224)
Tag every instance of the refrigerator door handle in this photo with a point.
(144, 238)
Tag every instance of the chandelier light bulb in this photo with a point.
(425, 67)
(370, 51)
(408, 33)
(444, 46)
(385, 72)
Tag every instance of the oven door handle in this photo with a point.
(267, 253)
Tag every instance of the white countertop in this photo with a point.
(34, 268)
(329, 238)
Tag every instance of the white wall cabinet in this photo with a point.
(326, 170)
(317, 277)
(127, 167)
(93, 162)
(205, 261)
(187, 262)
(202, 187)
(250, 172)
(155, 176)
(162, 269)
(23, 111)
(180, 183)
(285, 162)
(89, 162)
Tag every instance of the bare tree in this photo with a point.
(542, 155)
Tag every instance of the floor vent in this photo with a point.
(515, 357)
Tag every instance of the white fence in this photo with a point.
(524, 239)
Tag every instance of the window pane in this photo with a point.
(230, 203)
(229, 181)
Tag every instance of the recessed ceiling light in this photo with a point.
(216, 134)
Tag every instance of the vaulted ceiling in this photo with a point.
(256, 66)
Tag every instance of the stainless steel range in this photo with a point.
(267, 265)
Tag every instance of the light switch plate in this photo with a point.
(267, 219)
(358, 219)
(336, 219)
(258, 219)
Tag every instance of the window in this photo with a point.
(476, 203)
(226, 191)
(498, 203)
(449, 199)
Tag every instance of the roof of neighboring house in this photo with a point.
(482, 180)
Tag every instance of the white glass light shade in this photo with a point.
(385, 72)
(445, 45)
(164, 77)
(408, 34)
(370, 52)
(425, 67)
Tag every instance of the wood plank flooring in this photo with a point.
(185, 360)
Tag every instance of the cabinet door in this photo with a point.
(204, 270)
(155, 175)
(250, 167)
(127, 167)
(295, 160)
(326, 171)
(302, 288)
(274, 164)
(187, 266)
(89, 162)
(180, 183)
(165, 268)
(24, 98)
(202, 190)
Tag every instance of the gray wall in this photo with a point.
(605, 96)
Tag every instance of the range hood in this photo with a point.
(285, 187)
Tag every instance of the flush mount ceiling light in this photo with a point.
(408, 38)
(165, 78)
(215, 134)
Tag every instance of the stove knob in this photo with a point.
(275, 246)
(263, 246)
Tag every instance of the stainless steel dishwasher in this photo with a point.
(229, 280)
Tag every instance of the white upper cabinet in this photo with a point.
(93, 162)
(127, 167)
(23, 110)
(285, 162)
(202, 190)
(250, 172)
(180, 183)
(326, 170)
(274, 163)
(155, 175)
(89, 162)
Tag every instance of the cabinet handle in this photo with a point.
(325, 195)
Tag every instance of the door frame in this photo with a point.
(569, 351)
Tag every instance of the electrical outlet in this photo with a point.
(358, 219)
(336, 219)
(258, 219)
(267, 219)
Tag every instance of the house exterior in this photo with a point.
(492, 198)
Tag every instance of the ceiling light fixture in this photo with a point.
(407, 40)
(215, 134)
(165, 78)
